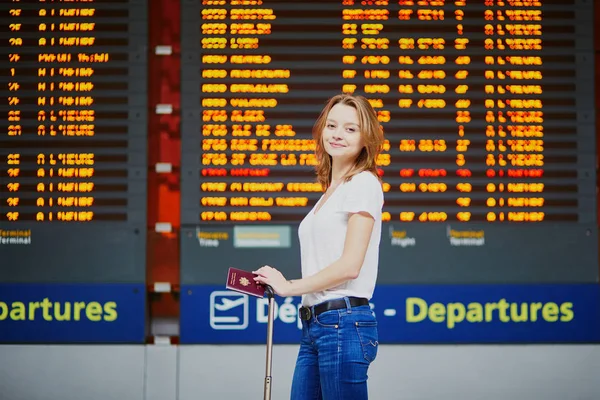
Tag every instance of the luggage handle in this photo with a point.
(268, 379)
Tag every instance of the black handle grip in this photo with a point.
(269, 290)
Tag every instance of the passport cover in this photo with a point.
(242, 281)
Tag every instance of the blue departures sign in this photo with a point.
(86, 313)
(411, 314)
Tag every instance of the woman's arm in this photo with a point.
(347, 267)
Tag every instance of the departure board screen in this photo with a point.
(487, 109)
(73, 138)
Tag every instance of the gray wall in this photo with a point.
(236, 372)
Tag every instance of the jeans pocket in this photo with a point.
(369, 338)
(328, 319)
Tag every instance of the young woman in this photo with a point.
(339, 246)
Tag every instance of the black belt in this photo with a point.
(306, 313)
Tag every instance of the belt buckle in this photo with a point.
(305, 313)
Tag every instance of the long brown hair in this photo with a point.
(371, 133)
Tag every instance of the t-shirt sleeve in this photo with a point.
(364, 194)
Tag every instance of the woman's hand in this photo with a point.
(270, 276)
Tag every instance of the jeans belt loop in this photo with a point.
(348, 306)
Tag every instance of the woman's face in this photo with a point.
(341, 135)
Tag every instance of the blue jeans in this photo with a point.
(336, 350)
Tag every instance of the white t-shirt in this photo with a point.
(322, 236)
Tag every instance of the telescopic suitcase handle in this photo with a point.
(267, 388)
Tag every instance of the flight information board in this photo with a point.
(488, 113)
(73, 140)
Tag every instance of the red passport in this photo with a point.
(243, 281)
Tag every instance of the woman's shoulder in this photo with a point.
(365, 183)
(364, 192)
(367, 178)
